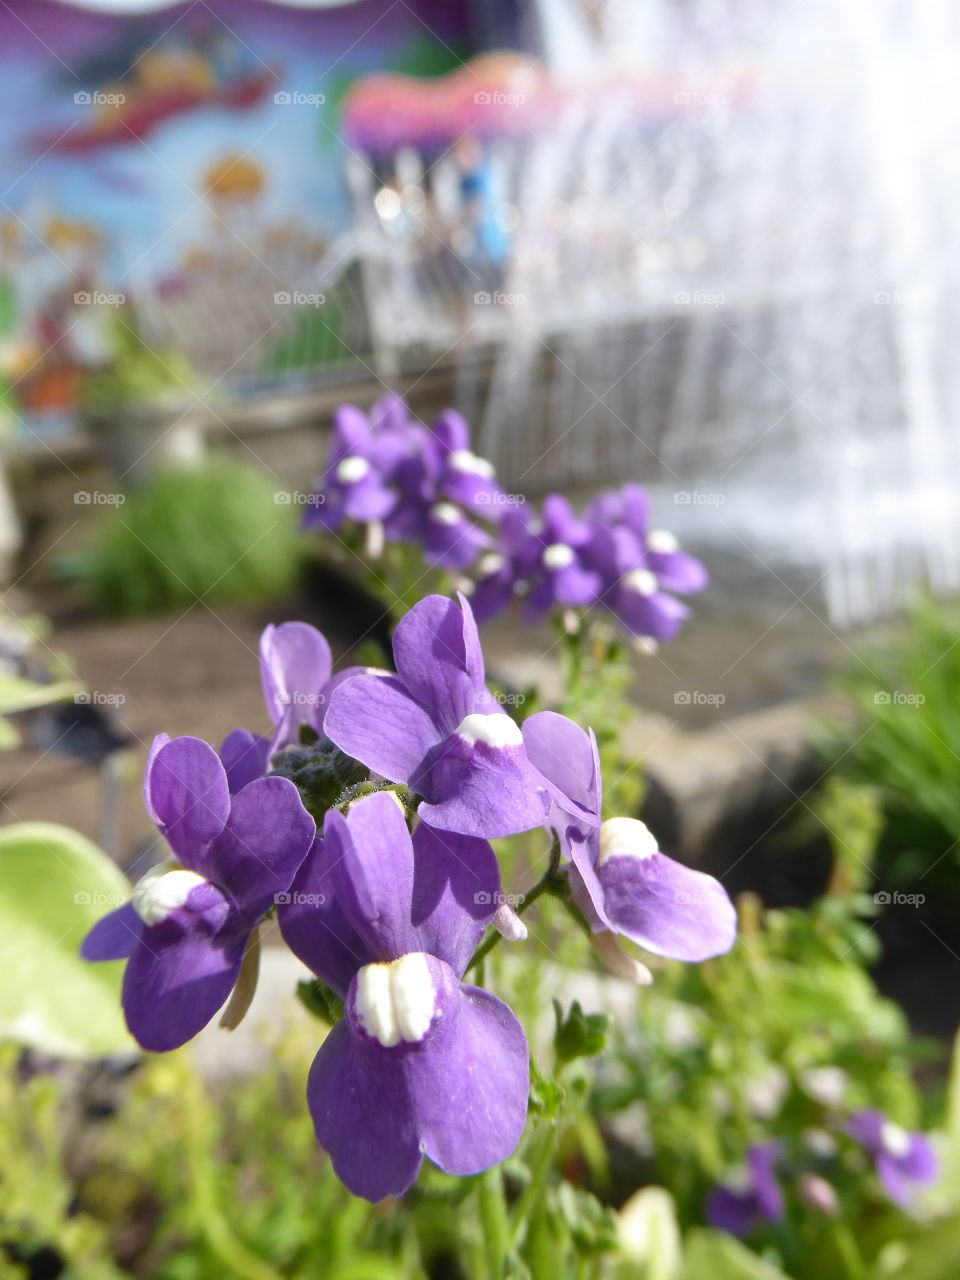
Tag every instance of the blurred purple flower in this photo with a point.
(621, 880)
(436, 727)
(296, 673)
(421, 1064)
(754, 1199)
(186, 929)
(905, 1161)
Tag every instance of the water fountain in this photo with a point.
(732, 275)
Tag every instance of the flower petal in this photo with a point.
(114, 937)
(314, 924)
(375, 720)
(567, 757)
(266, 838)
(188, 796)
(456, 893)
(295, 664)
(470, 1086)
(374, 874)
(667, 908)
(438, 658)
(178, 977)
(363, 1116)
(478, 789)
(245, 756)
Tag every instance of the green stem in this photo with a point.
(493, 1217)
(551, 882)
(849, 1251)
(539, 1169)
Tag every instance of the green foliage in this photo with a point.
(140, 374)
(906, 741)
(212, 532)
(54, 885)
(579, 1034)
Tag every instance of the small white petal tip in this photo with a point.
(353, 470)
(163, 890)
(509, 925)
(396, 1001)
(626, 838)
(622, 965)
(492, 730)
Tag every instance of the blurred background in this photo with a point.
(706, 245)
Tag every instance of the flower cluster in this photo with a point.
(404, 482)
(381, 876)
(400, 481)
(608, 558)
(904, 1162)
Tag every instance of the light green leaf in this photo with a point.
(17, 694)
(54, 885)
(713, 1255)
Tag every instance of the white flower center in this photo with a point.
(640, 580)
(896, 1141)
(396, 1001)
(163, 890)
(626, 838)
(352, 470)
(464, 460)
(490, 563)
(492, 730)
(663, 542)
(558, 556)
(446, 513)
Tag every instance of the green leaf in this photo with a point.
(54, 885)
(17, 694)
(579, 1035)
(713, 1255)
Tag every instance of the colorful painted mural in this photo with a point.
(190, 156)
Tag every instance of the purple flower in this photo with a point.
(421, 1064)
(640, 566)
(501, 574)
(905, 1162)
(621, 880)
(554, 559)
(186, 929)
(296, 675)
(355, 485)
(755, 1197)
(436, 727)
(460, 475)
